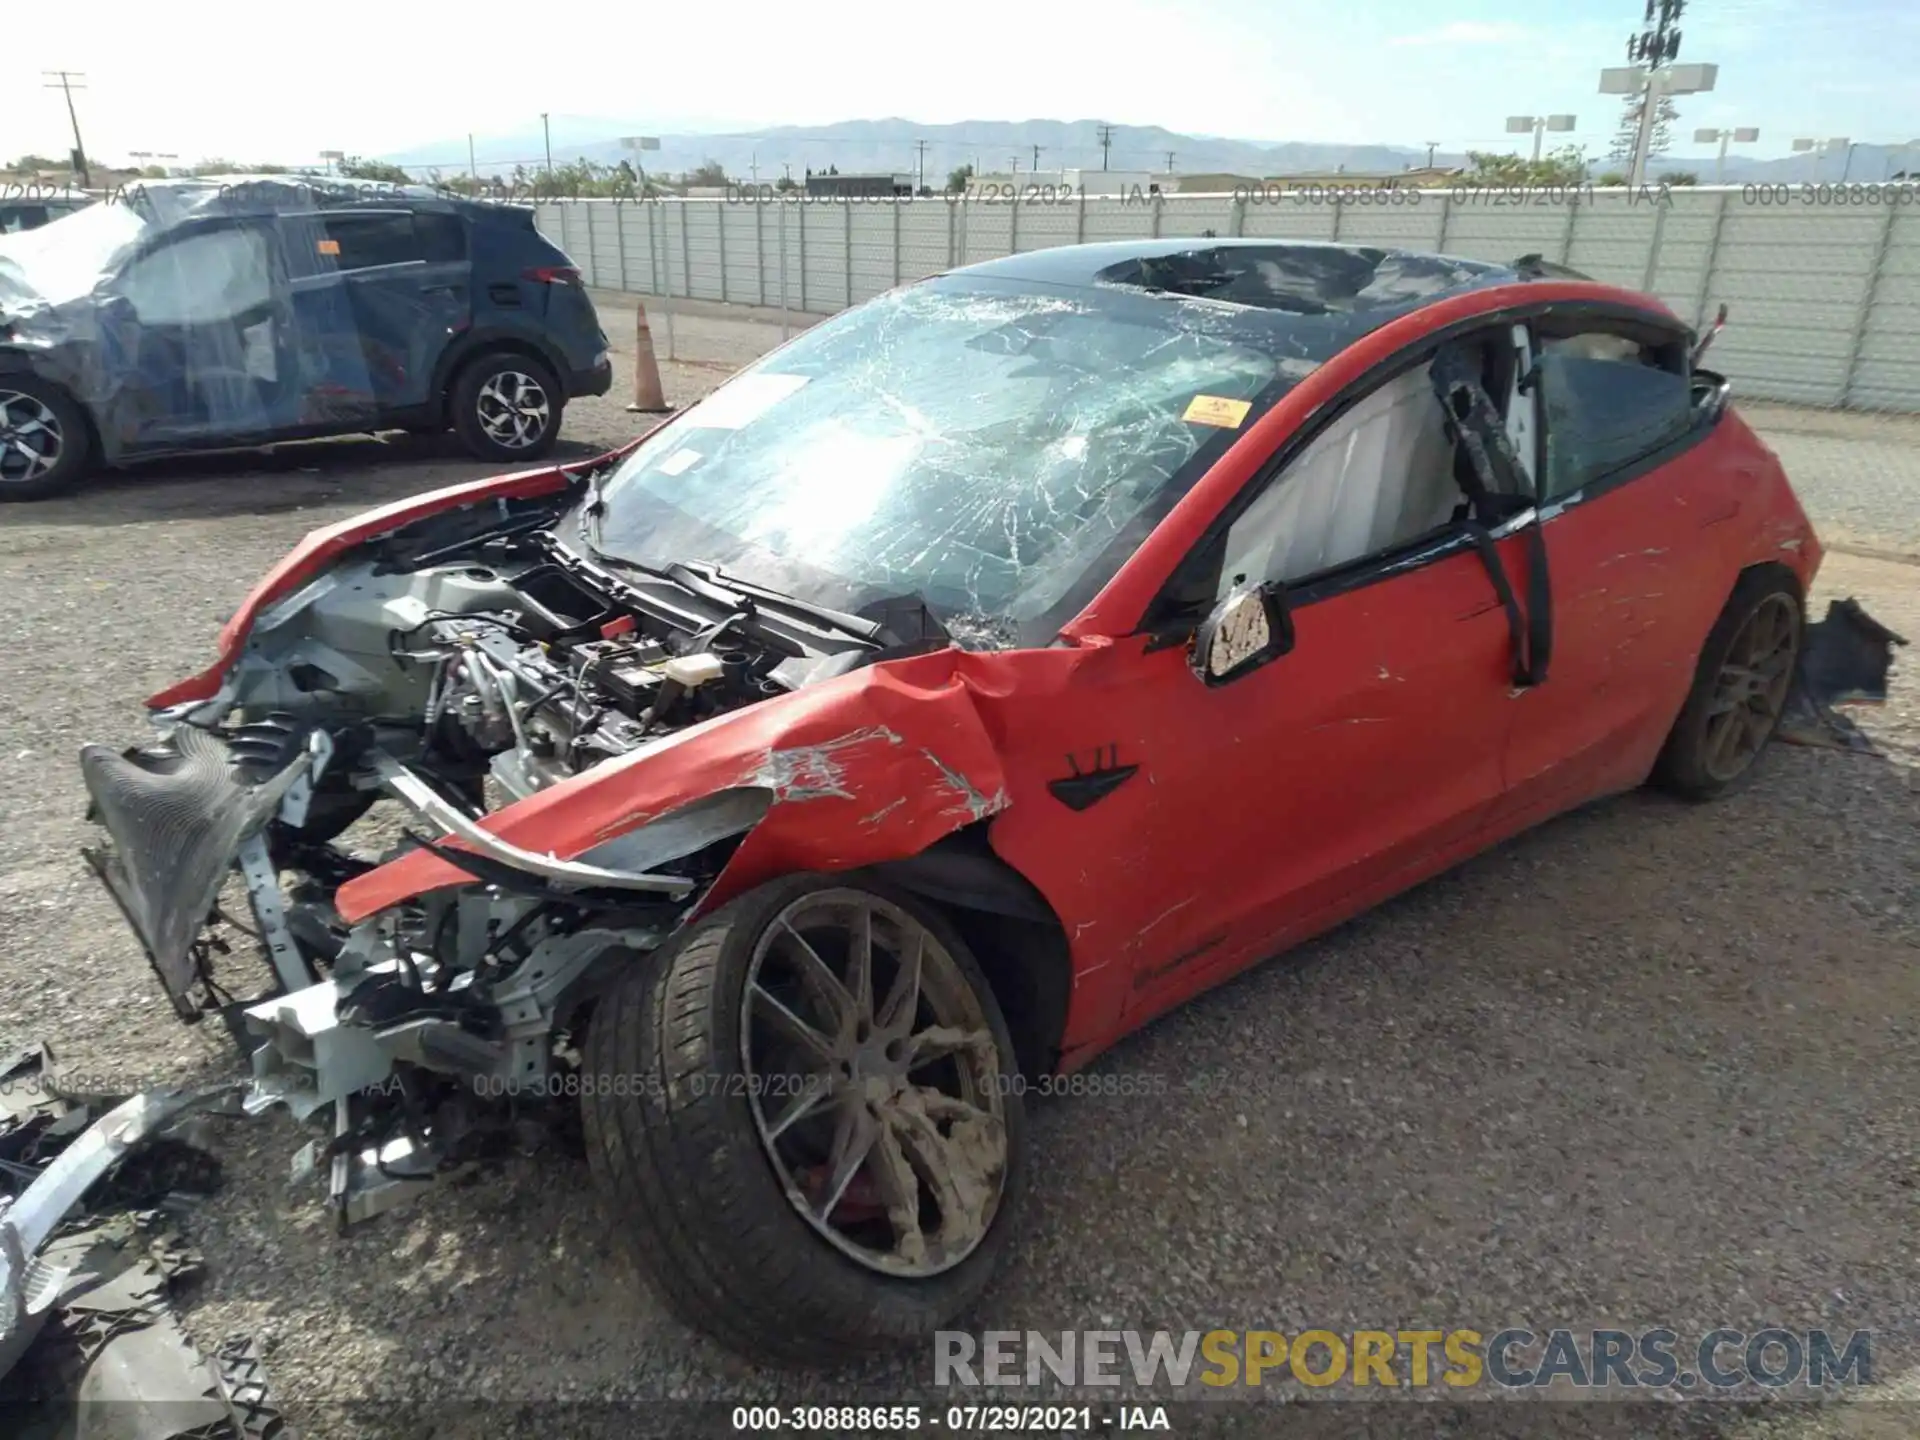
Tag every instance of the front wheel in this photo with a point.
(803, 1116)
(1740, 689)
(507, 407)
(44, 446)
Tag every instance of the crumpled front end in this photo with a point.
(458, 778)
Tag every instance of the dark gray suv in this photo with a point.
(188, 316)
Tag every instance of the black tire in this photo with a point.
(1684, 767)
(75, 441)
(474, 400)
(688, 1184)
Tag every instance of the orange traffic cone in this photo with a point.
(648, 397)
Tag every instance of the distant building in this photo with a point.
(864, 187)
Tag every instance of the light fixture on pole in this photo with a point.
(1653, 86)
(1814, 148)
(1745, 134)
(633, 144)
(1538, 125)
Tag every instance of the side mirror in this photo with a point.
(1244, 631)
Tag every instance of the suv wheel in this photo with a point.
(43, 439)
(507, 407)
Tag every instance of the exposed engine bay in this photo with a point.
(465, 662)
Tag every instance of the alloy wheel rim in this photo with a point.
(875, 1082)
(1750, 692)
(31, 440)
(513, 409)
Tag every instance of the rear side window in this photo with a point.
(364, 241)
(1609, 401)
(442, 237)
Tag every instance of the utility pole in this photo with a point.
(547, 131)
(753, 167)
(473, 167)
(66, 81)
(920, 162)
(1432, 145)
(1106, 143)
(1169, 162)
(1036, 157)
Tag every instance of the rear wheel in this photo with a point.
(507, 407)
(43, 439)
(1739, 690)
(802, 1117)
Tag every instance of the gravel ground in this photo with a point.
(1650, 1065)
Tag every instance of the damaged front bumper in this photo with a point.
(397, 1031)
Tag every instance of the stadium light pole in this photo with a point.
(1654, 85)
(1538, 124)
(1745, 134)
(635, 144)
(1814, 149)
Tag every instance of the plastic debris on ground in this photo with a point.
(93, 1345)
(1844, 660)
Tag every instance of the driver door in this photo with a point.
(1365, 758)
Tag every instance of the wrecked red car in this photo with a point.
(990, 668)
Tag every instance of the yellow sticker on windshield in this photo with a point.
(1217, 410)
(328, 247)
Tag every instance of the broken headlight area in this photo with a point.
(404, 700)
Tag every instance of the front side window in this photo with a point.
(202, 278)
(1379, 476)
(1609, 400)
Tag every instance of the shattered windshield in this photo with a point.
(994, 449)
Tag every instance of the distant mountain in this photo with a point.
(892, 145)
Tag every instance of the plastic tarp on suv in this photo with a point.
(189, 313)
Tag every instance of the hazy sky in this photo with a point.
(252, 82)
